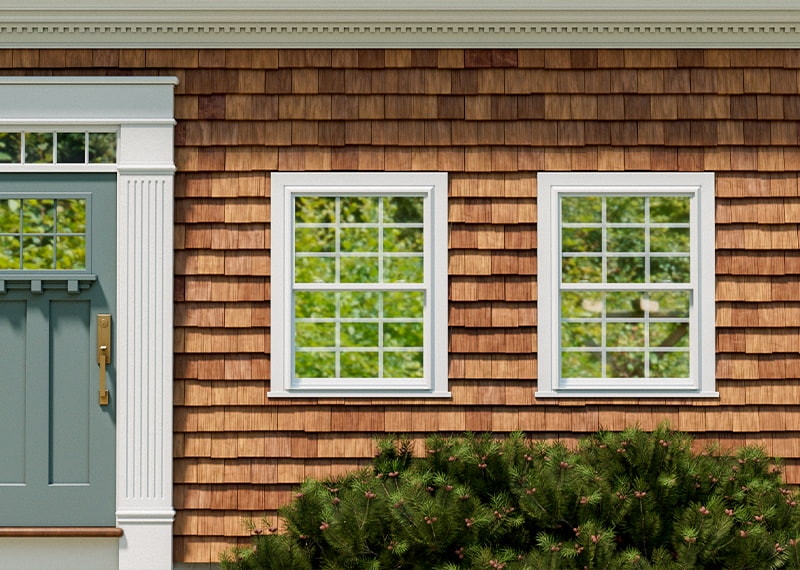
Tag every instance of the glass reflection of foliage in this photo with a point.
(10, 145)
(582, 209)
(372, 239)
(367, 334)
(314, 209)
(71, 148)
(38, 148)
(43, 233)
(636, 334)
(358, 240)
(625, 239)
(102, 148)
(403, 209)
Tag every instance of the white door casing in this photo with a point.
(141, 110)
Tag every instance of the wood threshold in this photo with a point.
(60, 532)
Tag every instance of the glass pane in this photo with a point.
(625, 210)
(359, 365)
(103, 148)
(625, 334)
(578, 335)
(581, 240)
(403, 210)
(407, 240)
(670, 270)
(315, 270)
(669, 209)
(38, 216)
(359, 210)
(624, 304)
(314, 305)
(314, 210)
(625, 365)
(359, 269)
(9, 216)
(669, 239)
(358, 304)
(581, 209)
(402, 334)
(625, 239)
(669, 364)
(315, 364)
(315, 334)
(71, 148)
(9, 252)
(359, 334)
(70, 252)
(37, 252)
(668, 304)
(71, 216)
(38, 148)
(359, 239)
(625, 270)
(582, 270)
(403, 269)
(409, 304)
(314, 239)
(10, 144)
(669, 334)
(581, 305)
(581, 365)
(403, 365)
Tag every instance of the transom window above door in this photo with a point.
(57, 147)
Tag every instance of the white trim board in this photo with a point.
(358, 23)
(142, 109)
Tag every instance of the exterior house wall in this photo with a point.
(491, 119)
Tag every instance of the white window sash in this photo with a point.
(432, 187)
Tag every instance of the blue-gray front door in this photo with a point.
(57, 274)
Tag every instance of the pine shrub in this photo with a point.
(619, 500)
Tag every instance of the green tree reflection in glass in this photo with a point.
(10, 148)
(625, 240)
(71, 148)
(355, 241)
(102, 148)
(43, 233)
(38, 148)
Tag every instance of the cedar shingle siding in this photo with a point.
(491, 119)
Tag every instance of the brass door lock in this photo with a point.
(103, 353)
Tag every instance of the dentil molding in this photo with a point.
(379, 23)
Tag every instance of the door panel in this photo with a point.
(70, 394)
(12, 391)
(62, 439)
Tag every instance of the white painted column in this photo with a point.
(144, 340)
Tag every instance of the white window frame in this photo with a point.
(432, 186)
(699, 186)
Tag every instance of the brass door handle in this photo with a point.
(103, 353)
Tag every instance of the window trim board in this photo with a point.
(436, 359)
(701, 184)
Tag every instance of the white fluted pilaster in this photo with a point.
(144, 338)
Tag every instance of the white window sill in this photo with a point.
(655, 393)
(371, 393)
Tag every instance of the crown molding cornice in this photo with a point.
(357, 23)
